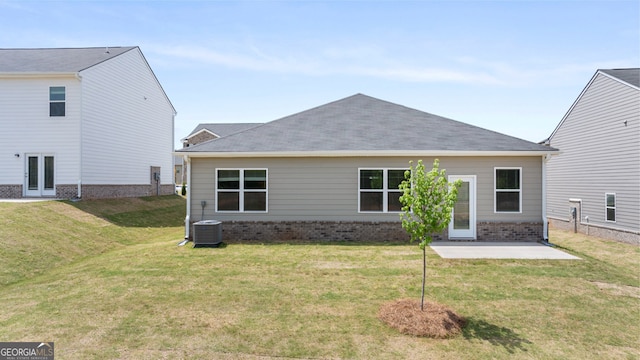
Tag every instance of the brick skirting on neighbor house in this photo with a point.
(93, 191)
(117, 191)
(10, 191)
(362, 231)
(595, 230)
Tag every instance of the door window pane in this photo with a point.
(33, 173)
(48, 172)
(461, 208)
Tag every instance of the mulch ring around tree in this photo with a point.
(436, 321)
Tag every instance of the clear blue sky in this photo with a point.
(510, 66)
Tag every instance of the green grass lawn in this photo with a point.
(105, 280)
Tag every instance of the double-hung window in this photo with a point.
(241, 190)
(610, 206)
(57, 99)
(378, 190)
(508, 190)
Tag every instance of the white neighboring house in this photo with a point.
(83, 122)
(597, 172)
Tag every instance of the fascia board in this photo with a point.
(399, 153)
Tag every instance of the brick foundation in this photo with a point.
(369, 232)
(118, 191)
(499, 231)
(93, 191)
(10, 191)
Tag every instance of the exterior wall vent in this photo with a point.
(207, 233)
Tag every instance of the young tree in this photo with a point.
(427, 201)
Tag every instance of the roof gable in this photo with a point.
(61, 60)
(624, 76)
(361, 123)
(221, 130)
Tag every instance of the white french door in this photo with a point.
(40, 175)
(463, 217)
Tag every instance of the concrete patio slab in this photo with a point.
(498, 250)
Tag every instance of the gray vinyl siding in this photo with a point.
(598, 154)
(315, 189)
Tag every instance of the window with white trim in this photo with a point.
(508, 189)
(57, 98)
(610, 207)
(241, 190)
(378, 190)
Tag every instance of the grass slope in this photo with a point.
(37, 237)
(143, 297)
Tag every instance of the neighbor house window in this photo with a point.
(378, 190)
(508, 189)
(241, 190)
(57, 101)
(610, 205)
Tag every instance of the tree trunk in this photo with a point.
(424, 275)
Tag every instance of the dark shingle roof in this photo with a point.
(68, 60)
(223, 129)
(363, 123)
(630, 76)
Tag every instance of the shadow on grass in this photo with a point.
(153, 211)
(495, 335)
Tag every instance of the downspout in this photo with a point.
(79, 77)
(187, 226)
(545, 221)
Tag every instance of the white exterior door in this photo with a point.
(463, 218)
(40, 175)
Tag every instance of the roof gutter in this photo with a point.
(37, 74)
(362, 153)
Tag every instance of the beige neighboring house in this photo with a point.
(593, 185)
(332, 173)
(83, 122)
(203, 133)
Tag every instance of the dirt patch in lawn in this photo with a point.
(436, 321)
(620, 290)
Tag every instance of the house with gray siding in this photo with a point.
(594, 183)
(83, 122)
(205, 132)
(332, 173)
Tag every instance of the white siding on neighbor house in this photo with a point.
(26, 127)
(128, 123)
(315, 189)
(598, 154)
